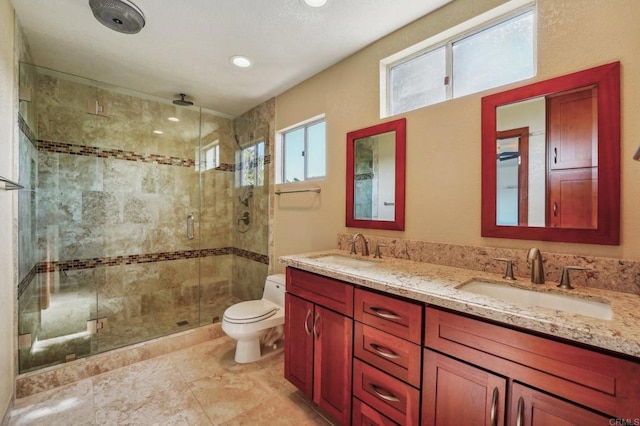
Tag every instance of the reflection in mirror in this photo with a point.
(563, 129)
(542, 148)
(374, 189)
(375, 176)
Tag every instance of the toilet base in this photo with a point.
(247, 351)
(251, 350)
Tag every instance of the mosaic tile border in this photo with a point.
(76, 264)
(118, 154)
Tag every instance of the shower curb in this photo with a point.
(31, 383)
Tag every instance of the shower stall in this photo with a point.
(139, 218)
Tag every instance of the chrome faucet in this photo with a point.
(365, 244)
(537, 272)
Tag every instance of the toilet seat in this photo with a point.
(250, 311)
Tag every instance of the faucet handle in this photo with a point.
(376, 254)
(565, 282)
(353, 247)
(508, 272)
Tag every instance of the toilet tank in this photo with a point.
(274, 288)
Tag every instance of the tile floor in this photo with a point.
(200, 385)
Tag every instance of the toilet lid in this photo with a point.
(250, 311)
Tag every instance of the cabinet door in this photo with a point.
(332, 364)
(573, 199)
(298, 347)
(529, 407)
(572, 127)
(455, 393)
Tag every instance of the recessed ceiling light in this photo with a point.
(173, 119)
(240, 61)
(158, 132)
(315, 3)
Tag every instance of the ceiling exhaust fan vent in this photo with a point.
(119, 15)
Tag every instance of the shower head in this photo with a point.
(182, 101)
(119, 15)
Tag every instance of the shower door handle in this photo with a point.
(190, 219)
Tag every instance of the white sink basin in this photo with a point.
(345, 261)
(560, 302)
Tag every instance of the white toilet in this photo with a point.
(251, 321)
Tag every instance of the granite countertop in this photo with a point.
(437, 285)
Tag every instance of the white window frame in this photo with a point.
(201, 164)
(446, 39)
(279, 152)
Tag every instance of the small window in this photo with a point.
(466, 59)
(210, 157)
(252, 158)
(303, 152)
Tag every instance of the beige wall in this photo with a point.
(443, 141)
(8, 201)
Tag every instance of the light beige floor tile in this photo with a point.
(199, 385)
(150, 392)
(67, 405)
(281, 410)
(209, 359)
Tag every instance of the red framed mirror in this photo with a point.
(376, 176)
(572, 158)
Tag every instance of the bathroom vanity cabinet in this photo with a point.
(414, 363)
(388, 360)
(491, 371)
(319, 340)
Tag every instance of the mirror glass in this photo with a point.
(543, 146)
(374, 179)
(375, 176)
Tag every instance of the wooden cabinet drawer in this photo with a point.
(389, 353)
(602, 382)
(364, 415)
(399, 317)
(388, 395)
(333, 294)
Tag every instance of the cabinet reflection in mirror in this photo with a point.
(550, 164)
(548, 150)
(375, 176)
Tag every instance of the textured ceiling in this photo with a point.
(186, 45)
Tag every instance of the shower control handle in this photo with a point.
(190, 220)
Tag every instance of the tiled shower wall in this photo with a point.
(111, 211)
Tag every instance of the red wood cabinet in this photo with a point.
(298, 365)
(530, 407)
(364, 415)
(332, 363)
(572, 146)
(455, 393)
(560, 371)
(573, 199)
(319, 341)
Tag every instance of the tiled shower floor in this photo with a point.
(199, 385)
